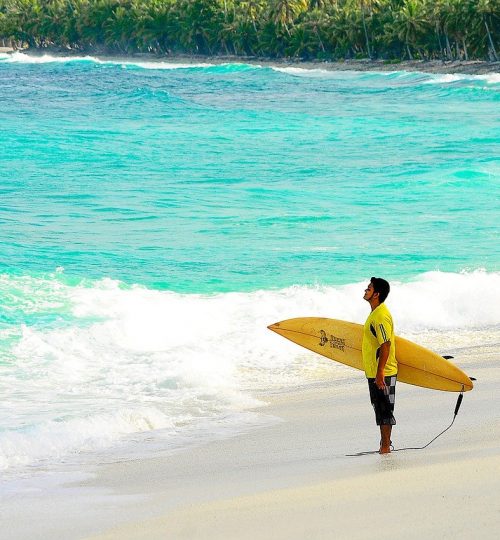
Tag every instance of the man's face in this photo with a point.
(369, 292)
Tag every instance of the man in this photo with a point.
(379, 359)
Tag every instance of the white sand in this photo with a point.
(450, 500)
(293, 480)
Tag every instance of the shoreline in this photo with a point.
(465, 67)
(291, 479)
(295, 477)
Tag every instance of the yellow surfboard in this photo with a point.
(341, 341)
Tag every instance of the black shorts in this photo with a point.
(383, 401)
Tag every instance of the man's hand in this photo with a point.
(379, 381)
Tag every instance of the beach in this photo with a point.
(293, 481)
(158, 214)
(294, 478)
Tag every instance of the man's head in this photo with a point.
(377, 290)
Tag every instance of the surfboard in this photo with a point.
(341, 341)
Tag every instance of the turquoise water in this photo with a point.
(236, 177)
(155, 218)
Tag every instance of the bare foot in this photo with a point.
(385, 450)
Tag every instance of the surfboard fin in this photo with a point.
(449, 357)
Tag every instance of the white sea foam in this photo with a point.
(120, 360)
(55, 438)
(23, 58)
(307, 72)
(410, 77)
(447, 78)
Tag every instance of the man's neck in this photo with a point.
(374, 304)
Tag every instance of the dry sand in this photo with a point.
(440, 500)
(293, 480)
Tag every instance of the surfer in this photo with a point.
(379, 359)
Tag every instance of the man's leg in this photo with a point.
(388, 420)
(385, 435)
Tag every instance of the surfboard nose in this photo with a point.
(274, 326)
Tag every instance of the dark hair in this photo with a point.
(380, 286)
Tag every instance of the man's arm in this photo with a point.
(382, 361)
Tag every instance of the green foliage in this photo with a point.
(310, 29)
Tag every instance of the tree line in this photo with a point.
(306, 29)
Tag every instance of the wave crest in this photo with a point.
(399, 77)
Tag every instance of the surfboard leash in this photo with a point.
(457, 408)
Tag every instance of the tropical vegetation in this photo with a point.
(306, 29)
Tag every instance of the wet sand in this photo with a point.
(294, 479)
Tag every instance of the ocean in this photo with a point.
(155, 217)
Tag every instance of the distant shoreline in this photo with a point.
(466, 67)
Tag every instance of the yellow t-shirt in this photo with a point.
(378, 329)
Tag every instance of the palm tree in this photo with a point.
(253, 10)
(348, 25)
(366, 5)
(154, 30)
(489, 11)
(317, 21)
(270, 41)
(199, 22)
(284, 12)
(242, 31)
(445, 28)
(58, 22)
(321, 5)
(433, 14)
(93, 20)
(120, 28)
(409, 23)
(27, 21)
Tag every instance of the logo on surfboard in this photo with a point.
(334, 341)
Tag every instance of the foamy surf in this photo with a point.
(408, 77)
(88, 364)
(23, 58)
(490, 78)
(398, 76)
